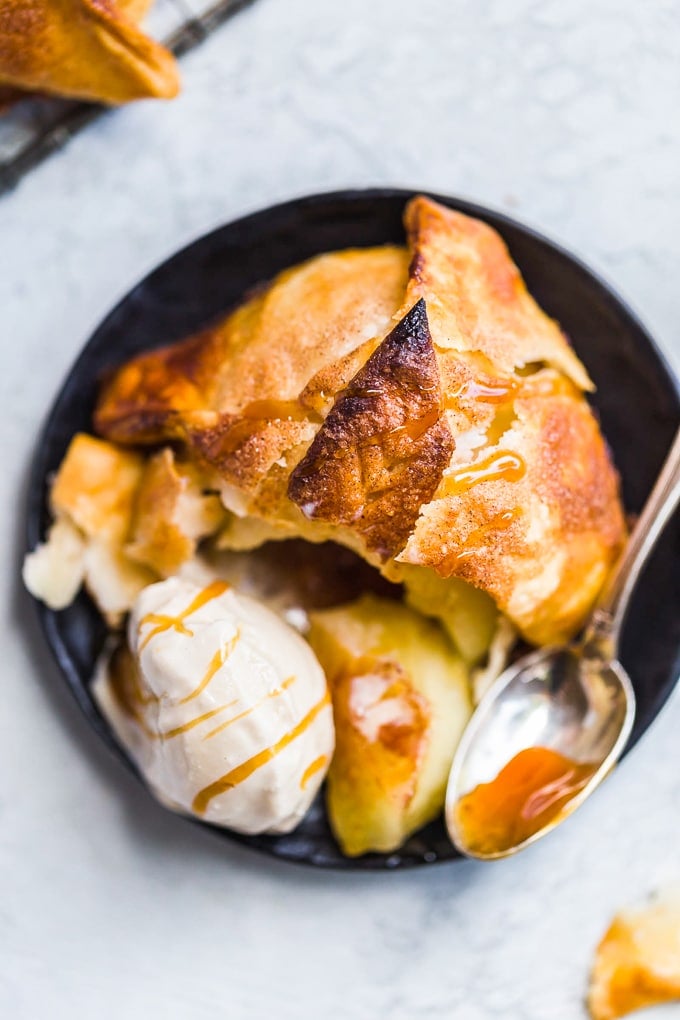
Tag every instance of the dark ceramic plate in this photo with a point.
(637, 400)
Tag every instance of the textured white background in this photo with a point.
(564, 114)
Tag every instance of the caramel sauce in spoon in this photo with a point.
(527, 794)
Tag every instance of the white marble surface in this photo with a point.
(565, 114)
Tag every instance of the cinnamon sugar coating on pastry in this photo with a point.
(82, 49)
(476, 298)
(418, 407)
(382, 449)
(248, 390)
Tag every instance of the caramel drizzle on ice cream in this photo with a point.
(162, 622)
(246, 769)
(169, 734)
(312, 769)
(216, 663)
(127, 691)
(125, 678)
(235, 718)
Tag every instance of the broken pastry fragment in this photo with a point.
(172, 512)
(91, 500)
(120, 523)
(637, 963)
(82, 49)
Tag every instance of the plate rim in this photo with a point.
(38, 474)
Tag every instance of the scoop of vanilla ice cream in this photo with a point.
(222, 705)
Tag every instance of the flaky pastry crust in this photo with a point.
(418, 407)
(82, 49)
(637, 963)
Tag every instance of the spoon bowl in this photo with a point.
(557, 700)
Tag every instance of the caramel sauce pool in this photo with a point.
(528, 793)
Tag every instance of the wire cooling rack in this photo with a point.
(36, 127)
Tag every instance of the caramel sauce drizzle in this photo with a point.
(163, 622)
(531, 791)
(134, 688)
(504, 465)
(259, 412)
(275, 410)
(417, 428)
(476, 539)
(124, 681)
(241, 715)
(246, 769)
(495, 391)
(312, 769)
(185, 727)
(216, 663)
(124, 684)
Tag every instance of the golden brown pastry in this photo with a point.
(172, 512)
(637, 963)
(83, 49)
(92, 501)
(418, 407)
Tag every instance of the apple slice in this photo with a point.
(401, 700)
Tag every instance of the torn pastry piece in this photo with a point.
(416, 407)
(120, 522)
(55, 570)
(83, 49)
(637, 963)
(95, 487)
(384, 445)
(91, 500)
(172, 512)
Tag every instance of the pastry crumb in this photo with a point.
(637, 963)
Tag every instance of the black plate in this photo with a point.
(637, 400)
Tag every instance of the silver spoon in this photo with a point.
(577, 701)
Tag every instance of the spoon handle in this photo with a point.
(605, 626)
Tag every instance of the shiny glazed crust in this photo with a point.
(84, 49)
(417, 407)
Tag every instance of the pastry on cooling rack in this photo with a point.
(81, 49)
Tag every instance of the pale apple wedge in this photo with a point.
(400, 701)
